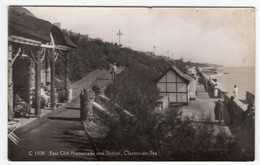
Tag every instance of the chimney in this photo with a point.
(57, 24)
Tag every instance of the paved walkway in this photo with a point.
(102, 77)
(201, 112)
(59, 135)
(24, 121)
(201, 109)
(86, 81)
(59, 132)
(106, 79)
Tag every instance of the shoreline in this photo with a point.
(227, 77)
(224, 94)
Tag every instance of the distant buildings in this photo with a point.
(149, 53)
(77, 34)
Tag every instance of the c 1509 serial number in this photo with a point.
(36, 153)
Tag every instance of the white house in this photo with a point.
(174, 87)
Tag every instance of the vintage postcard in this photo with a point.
(131, 83)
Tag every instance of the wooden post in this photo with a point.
(67, 85)
(10, 83)
(38, 85)
(53, 81)
(30, 80)
(47, 66)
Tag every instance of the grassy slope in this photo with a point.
(136, 81)
(135, 90)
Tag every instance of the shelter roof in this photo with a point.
(24, 24)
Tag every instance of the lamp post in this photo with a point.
(154, 47)
(119, 34)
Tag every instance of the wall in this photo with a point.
(172, 85)
(222, 93)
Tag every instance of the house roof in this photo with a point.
(185, 77)
(191, 76)
(23, 24)
(187, 67)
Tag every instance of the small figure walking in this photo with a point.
(235, 91)
(218, 111)
(114, 71)
(215, 91)
(232, 107)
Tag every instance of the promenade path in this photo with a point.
(201, 112)
(201, 109)
(59, 135)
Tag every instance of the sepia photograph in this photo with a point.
(93, 83)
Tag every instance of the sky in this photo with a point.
(224, 36)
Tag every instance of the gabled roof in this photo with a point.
(191, 76)
(185, 77)
(187, 67)
(24, 24)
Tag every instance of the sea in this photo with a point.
(242, 77)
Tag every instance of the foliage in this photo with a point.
(134, 90)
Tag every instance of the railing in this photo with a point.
(15, 139)
(222, 93)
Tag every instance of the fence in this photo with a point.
(222, 93)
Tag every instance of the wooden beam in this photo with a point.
(62, 59)
(47, 46)
(58, 47)
(43, 52)
(38, 85)
(17, 54)
(26, 41)
(47, 67)
(30, 77)
(62, 56)
(67, 82)
(52, 81)
(56, 57)
(61, 47)
(50, 56)
(32, 56)
(10, 83)
(22, 40)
